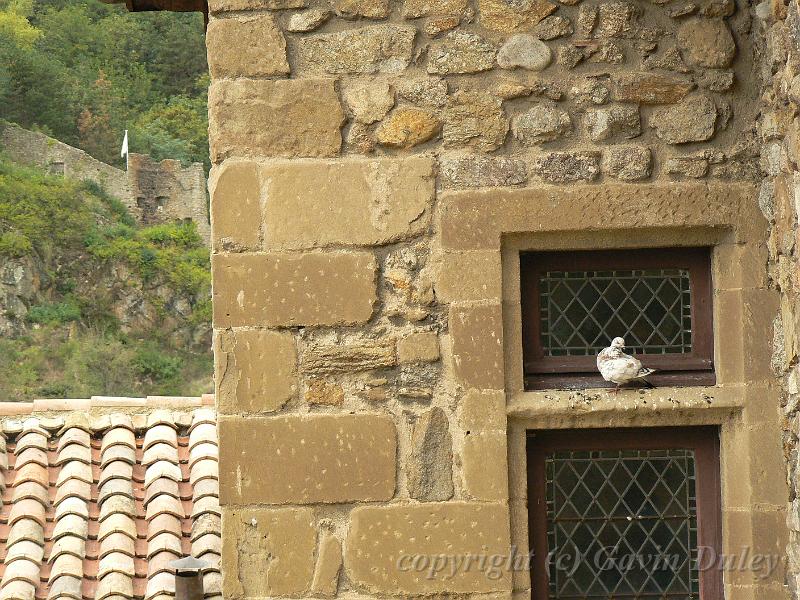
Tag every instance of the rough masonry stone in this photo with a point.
(259, 51)
(430, 464)
(350, 201)
(363, 355)
(650, 88)
(542, 123)
(379, 536)
(617, 121)
(460, 52)
(277, 289)
(370, 9)
(508, 16)
(474, 120)
(267, 551)
(475, 170)
(307, 459)
(283, 117)
(628, 163)
(526, 52)
(255, 370)
(375, 49)
(408, 126)
(692, 120)
(707, 42)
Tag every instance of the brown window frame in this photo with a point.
(695, 368)
(704, 440)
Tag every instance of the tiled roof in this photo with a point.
(100, 495)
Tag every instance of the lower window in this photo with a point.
(624, 513)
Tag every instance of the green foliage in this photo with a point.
(84, 71)
(56, 313)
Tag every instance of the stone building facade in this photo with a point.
(153, 192)
(380, 168)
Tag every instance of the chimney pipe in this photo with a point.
(188, 578)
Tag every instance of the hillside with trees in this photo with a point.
(90, 302)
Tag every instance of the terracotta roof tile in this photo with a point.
(98, 505)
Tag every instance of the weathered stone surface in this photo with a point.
(307, 459)
(368, 101)
(413, 9)
(427, 91)
(297, 117)
(259, 51)
(371, 9)
(508, 16)
(617, 121)
(524, 51)
(693, 167)
(366, 355)
(650, 88)
(322, 392)
(590, 91)
(477, 346)
(707, 42)
(474, 170)
(375, 49)
(217, 6)
(474, 120)
(460, 52)
(255, 370)
(627, 163)
(552, 27)
(430, 466)
(329, 564)
(692, 120)
(316, 288)
(408, 126)
(563, 167)
(351, 201)
(379, 536)
(267, 551)
(483, 411)
(615, 19)
(307, 20)
(482, 449)
(235, 206)
(418, 347)
(542, 123)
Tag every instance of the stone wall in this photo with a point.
(778, 27)
(153, 192)
(377, 165)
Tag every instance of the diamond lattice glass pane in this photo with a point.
(582, 311)
(622, 524)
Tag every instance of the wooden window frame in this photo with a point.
(696, 368)
(704, 441)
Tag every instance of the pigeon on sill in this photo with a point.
(620, 368)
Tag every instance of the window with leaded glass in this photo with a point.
(624, 514)
(575, 303)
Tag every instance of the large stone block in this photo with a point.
(277, 289)
(376, 49)
(235, 206)
(255, 370)
(307, 459)
(283, 117)
(246, 48)
(383, 542)
(267, 552)
(353, 202)
(477, 341)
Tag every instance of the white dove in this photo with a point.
(620, 368)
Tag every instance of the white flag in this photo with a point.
(124, 152)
